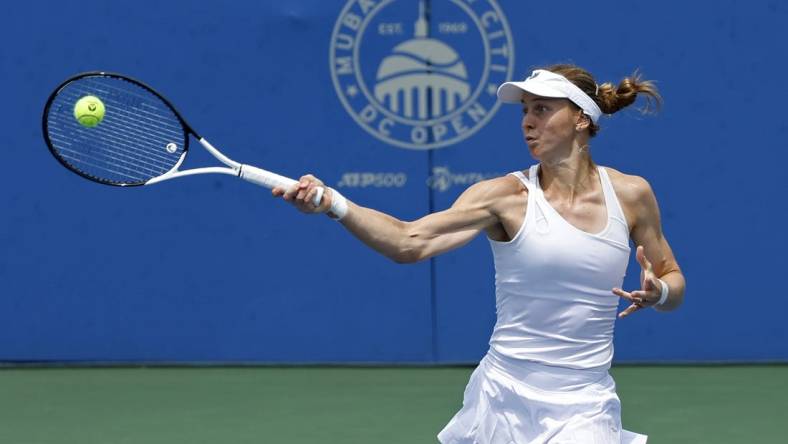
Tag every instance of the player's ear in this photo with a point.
(583, 121)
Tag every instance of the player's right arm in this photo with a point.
(475, 210)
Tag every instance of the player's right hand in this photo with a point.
(301, 194)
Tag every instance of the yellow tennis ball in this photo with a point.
(89, 111)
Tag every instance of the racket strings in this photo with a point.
(132, 128)
(114, 165)
(112, 150)
(129, 146)
(116, 146)
(128, 129)
(124, 151)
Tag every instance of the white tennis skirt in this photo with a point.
(517, 402)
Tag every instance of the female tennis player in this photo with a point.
(559, 233)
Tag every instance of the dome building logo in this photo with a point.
(419, 74)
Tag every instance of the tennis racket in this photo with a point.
(138, 138)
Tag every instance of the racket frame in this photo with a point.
(187, 129)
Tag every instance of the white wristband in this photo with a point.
(338, 208)
(665, 290)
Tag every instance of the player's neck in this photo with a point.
(569, 176)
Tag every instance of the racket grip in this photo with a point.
(271, 180)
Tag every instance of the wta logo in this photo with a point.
(421, 75)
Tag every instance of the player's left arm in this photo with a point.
(653, 251)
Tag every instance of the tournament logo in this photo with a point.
(419, 74)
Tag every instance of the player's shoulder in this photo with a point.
(494, 191)
(505, 185)
(629, 188)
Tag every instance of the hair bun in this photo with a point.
(613, 99)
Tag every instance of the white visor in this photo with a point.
(549, 84)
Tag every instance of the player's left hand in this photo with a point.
(650, 287)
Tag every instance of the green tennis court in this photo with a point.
(672, 404)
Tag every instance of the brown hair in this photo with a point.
(611, 98)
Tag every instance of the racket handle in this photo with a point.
(271, 180)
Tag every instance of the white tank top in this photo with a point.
(553, 284)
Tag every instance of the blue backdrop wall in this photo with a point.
(213, 269)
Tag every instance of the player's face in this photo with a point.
(548, 125)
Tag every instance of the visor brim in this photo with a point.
(512, 92)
